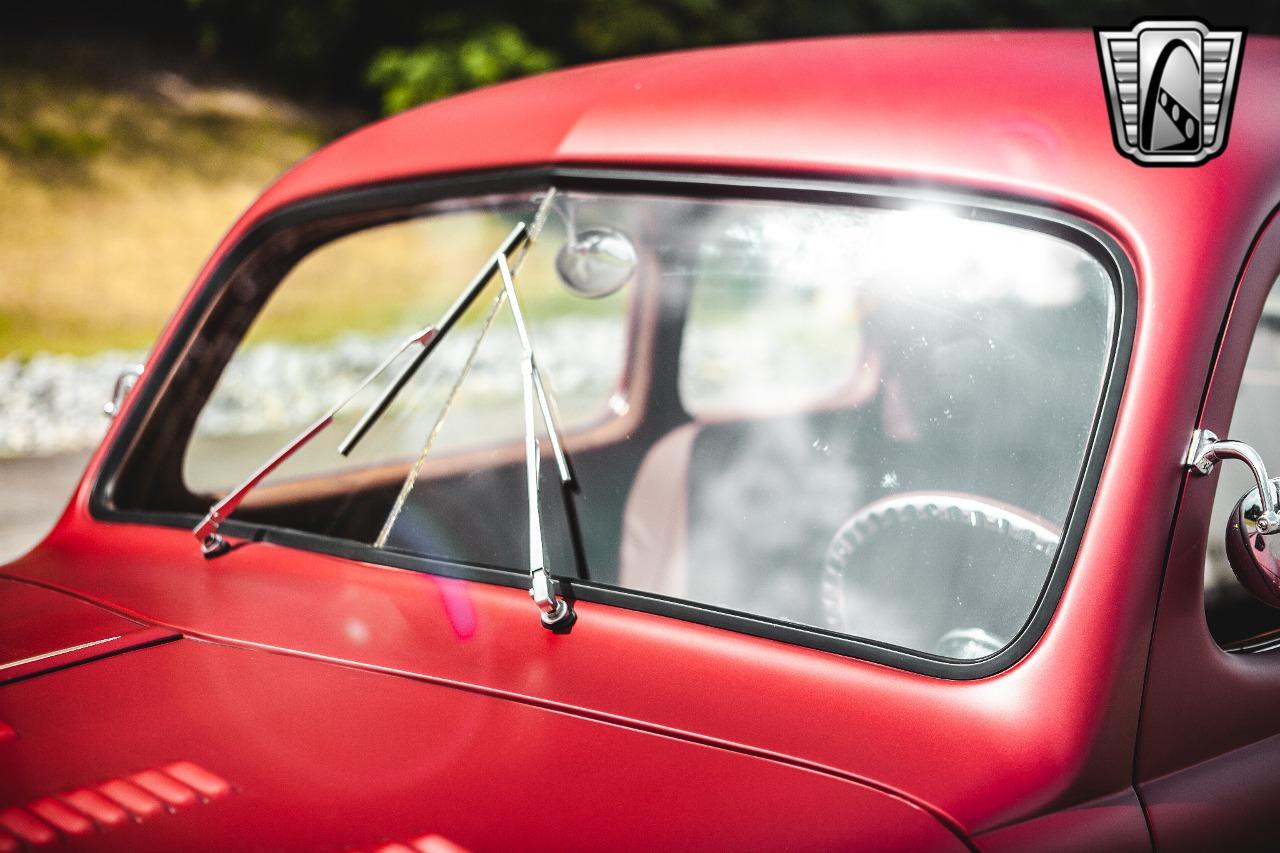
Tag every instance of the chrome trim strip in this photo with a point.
(56, 653)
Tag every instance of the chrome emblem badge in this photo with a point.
(1170, 86)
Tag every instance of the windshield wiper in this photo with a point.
(207, 532)
(556, 612)
(521, 236)
(542, 586)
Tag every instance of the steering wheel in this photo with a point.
(944, 572)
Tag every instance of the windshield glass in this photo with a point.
(867, 420)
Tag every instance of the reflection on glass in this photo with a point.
(867, 420)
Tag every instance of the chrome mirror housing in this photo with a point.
(1252, 553)
(1254, 556)
(124, 384)
(597, 262)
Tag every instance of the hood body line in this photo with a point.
(172, 632)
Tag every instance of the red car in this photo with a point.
(794, 446)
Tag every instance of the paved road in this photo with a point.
(33, 492)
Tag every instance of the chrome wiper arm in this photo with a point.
(517, 238)
(206, 532)
(543, 588)
(531, 372)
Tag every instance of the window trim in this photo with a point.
(981, 205)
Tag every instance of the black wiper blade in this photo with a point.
(556, 611)
(206, 532)
(517, 238)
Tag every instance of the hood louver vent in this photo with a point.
(110, 805)
(425, 844)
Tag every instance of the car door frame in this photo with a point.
(1208, 734)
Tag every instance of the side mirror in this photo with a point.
(124, 384)
(1254, 556)
(1252, 550)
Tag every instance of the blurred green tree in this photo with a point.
(388, 55)
(410, 76)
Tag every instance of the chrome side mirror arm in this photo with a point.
(1206, 450)
(124, 384)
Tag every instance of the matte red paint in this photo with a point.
(138, 803)
(35, 622)
(96, 807)
(425, 844)
(208, 785)
(1109, 825)
(27, 827)
(435, 844)
(844, 743)
(60, 816)
(73, 655)
(331, 757)
(1208, 747)
(171, 791)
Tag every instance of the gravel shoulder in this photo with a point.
(51, 409)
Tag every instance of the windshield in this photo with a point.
(868, 420)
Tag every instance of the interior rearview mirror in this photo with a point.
(597, 262)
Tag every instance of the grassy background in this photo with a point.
(118, 173)
(121, 170)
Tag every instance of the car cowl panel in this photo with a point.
(211, 746)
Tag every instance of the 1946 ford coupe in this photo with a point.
(829, 445)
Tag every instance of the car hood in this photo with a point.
(159, 742)
(42, 630)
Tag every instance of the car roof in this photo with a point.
(1021, 111)
(1020, 114)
